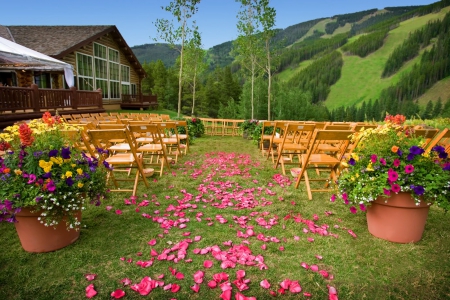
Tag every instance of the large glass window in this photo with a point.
(85, 72)
(133, 89)
(100, 51)
(114, 89)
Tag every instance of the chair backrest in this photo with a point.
(347, 126)
(441, 139)
(427, 134)
(147, 130)
(111, 126)
(298, 133)
(340, 138)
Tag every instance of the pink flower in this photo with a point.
(396, 162)
(353, 210)
(395, 188)
(362, 207)
(393, 176)
(373, 158)
(409, 169)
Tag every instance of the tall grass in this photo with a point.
(363, 267)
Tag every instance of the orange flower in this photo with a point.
(48, 119)
(6, 170)
(25, 134)
(394, 149)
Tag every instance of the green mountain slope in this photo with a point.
(361, 77)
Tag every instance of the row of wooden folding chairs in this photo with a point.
(126, 147)
(221, 127)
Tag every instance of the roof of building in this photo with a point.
(59, 41)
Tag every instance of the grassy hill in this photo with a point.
(361, 77)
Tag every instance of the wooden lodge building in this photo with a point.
(107, 74)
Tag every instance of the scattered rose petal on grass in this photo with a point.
(212, 284)
(175, 288)
(285, 284)
(332, 293)
(319, 257)
(323, 273)
(109, 207)
(118, 212)
(240, 274)
(281, 248)
(314, 268)
(226, 295)
(126, 281)
(306, 294)
(152, 242)
(179, 276)
(90, 291)
(117, 294)
(296, 238)
(310, 240)
(352, 233)
(295, 287)
(197, 238)
(239, 296)
(304, 265)
(90, 277)
(265, 284)
(264, 246)
(195, 287)
(207, 264)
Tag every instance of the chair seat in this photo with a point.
(120, 147)
(170, 140)
(123, 158)
(150, 147)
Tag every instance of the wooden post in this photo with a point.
(74, 97)
(100, 104)
(35, 97)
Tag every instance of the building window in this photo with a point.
(101, 69)
(114, 92)
(85, 72)
(133, 89)
(42, 80)
(125, 79)
(100, 51)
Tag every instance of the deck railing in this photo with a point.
(34, 99)
(140, 100)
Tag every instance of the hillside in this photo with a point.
(341, 61)
(361, 77)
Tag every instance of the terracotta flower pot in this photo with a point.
(397, 218)
(35, 237)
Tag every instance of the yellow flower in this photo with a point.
(73, 165)
(369, 167)
(80, 184)
(18, 172)
(47, 166)
(63, 177)
(352, 178)
(68, 174)
(355, 156)
(80, 171)
(357, 175)
(56, 160)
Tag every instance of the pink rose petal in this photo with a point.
(195, 287)
(212, 284)
(175, 288)
(314, 268)
(323, 273)
(90, 277)
(207, 264)
(295, 287)
(152, 242)
(118, 212)
(265, 284)
(304, 265)
(117, 294)
(90, 291)
(126, 281)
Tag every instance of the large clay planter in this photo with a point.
(397, 218)
(35, 237)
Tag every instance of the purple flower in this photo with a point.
(69, 181)
(38, 199)
(65, 152)
(52, 153)
(37, 154)
(416, 150)
(399, 152)
(418, 190)
(351, 161)
(47, 175)
(446, 167)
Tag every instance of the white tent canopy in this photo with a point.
(18, 57)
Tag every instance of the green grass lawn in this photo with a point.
(230, 188)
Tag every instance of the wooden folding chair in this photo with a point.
(101, 138)
(183, 137)
(295, 142)
(314, 158)
(149, 142)
(441, 139)
(427, 134)
(170, 139)
(277, 139)
(265, 136)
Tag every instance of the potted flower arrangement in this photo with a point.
(44, 177)
(390, 168)
(195, 127)
(248, 127)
